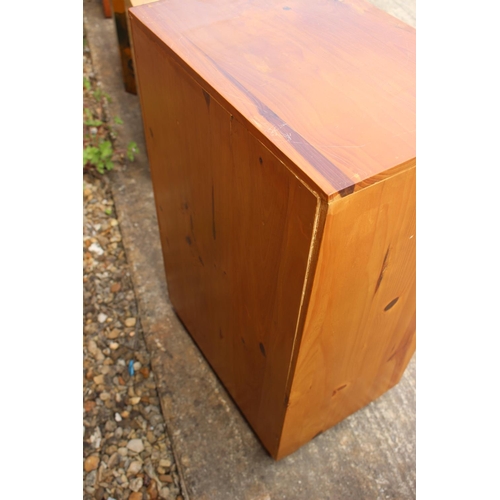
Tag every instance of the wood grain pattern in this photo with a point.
(327, 86)
(229, 212)
(283, 168)
(359, 333)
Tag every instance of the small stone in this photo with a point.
(135, 496)
(135, 445)
(96, 437)
(104, 396)
(165, 478)
(91, 463)
(96, 248)
(151, 437)
(114, 346)
(137, 366)
(111, 449)
(118, 417)
(105, 369)
(165, 493)
(135, 400)
(135, 484)
(114, 334)
(130, 322)
(113, 222)
(102, 317)
(125, 414)
(123, 452)
(115, 288)
(145, 372)
(134, 468)
(165, 463)
(110, 425)
(99, 379)
(152, 490)
(113, 460)
(89, 405)
(92, 348)
(119, 433)
(99, 494)
(185, 461)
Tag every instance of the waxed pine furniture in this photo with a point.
(281, 141)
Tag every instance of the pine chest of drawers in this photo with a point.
(281, 141)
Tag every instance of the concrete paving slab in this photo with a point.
(370, 455)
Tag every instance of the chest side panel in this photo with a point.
(359, 331)
(236, 228)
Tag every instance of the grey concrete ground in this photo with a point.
(370, 455)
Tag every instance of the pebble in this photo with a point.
(134, 468)
(135, 496)
(130, 322)
(102, 317)
(91, 463)
(165, 463)
(165, 493)
(135, 400)
(99, 379)
(114, 345)
(113, 334)
(88, 405)
(95, 248)
(152, 490)
(136, 484)
(118, 417)
(110, 425)
(135, 445)
(90, 479)
(114, 459)
(92, 347)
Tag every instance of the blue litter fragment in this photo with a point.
(131, 367)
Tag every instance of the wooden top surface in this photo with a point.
(330, 85)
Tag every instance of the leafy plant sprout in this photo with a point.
(99, 151)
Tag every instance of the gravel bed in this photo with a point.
(127, 452)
